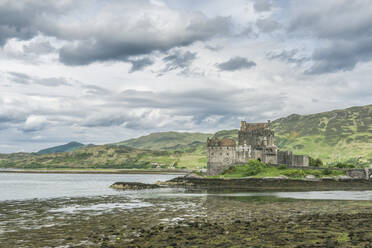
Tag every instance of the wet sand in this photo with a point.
(169, 220)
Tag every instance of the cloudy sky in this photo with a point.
(101, 71)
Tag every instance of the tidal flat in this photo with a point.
(178, 218)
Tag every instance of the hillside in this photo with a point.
(167, 141)
(62, 148)
(105, 156)
(339, 135)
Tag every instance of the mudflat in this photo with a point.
(158, 218)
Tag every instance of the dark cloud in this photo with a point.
(267, 25)
(91, 41)
(236, 63)
(262, 5)
(39, 47)
(179, 60)
(214, 48)
(288, 55)
(198, 107)
(248, 32)
(102, 48)
(91, 89)
(341, 56)
(22, 78)
(140, 64)
(24, 20)
(344, 26)
(19, 78)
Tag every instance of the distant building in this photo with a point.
(256, 141)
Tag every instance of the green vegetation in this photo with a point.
(315, 162)
(343, 136)
(105, 156)
(257, 169)
(189, 142)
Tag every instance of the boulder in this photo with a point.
(133, 186)
(193, 175)
(344, 178)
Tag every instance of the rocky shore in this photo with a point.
(271, 184)
(133, 186)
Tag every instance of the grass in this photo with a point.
(257, 169)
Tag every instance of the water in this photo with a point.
(362, 195)
(23, 186)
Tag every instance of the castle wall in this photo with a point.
(300, 160)
(220, 159)
(285, 157)
(243, 154)
(288, 158)
(270, 159)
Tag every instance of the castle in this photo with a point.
(256, 141)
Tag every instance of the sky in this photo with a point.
(103, 71)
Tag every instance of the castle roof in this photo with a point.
(221, 143)
(227, 142)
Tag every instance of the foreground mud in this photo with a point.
(163, 219)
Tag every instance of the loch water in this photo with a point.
(27, 186)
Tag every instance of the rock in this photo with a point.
(133, 186)
(310, 177)
(193, 175)
(278, 177)
(343, 178)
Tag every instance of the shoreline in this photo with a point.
(94, 171)
(271, 184)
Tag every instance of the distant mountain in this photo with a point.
(62, 148)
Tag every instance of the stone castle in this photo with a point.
(256, 141)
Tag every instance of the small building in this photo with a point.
(256, 141)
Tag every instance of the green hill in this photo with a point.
(62, 148)
(339, 135)
(105, 156)
(167, 141)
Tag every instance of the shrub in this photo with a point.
(344, 165)
(294, 173)
(327, 172)
(252, 168)
(315, 162)
(283, 167)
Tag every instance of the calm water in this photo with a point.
(19, 186)
(23, 186)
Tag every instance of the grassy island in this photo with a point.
(257, 169)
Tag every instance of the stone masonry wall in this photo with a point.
(300, 160)
(219, 159)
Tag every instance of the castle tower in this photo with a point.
(221, 155)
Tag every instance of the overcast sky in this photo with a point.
(108, 70)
